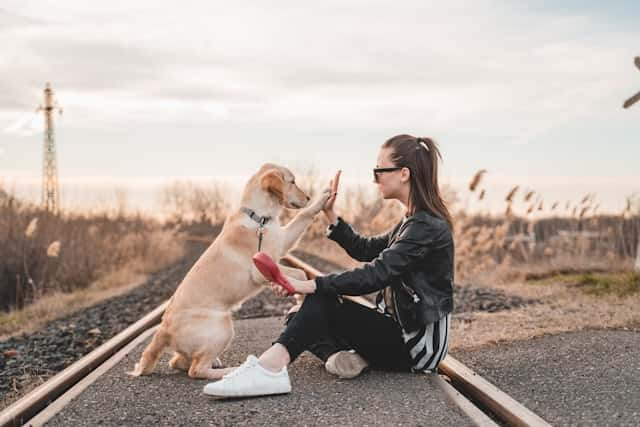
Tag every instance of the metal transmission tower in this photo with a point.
(50, 189)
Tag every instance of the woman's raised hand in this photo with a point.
(328, 206)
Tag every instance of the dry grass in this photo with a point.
(108, 285)
(51, 264)
(477, 178)
(186, 201)
(521, 242)
(622, 284)
(565, 307)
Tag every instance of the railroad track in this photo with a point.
(481, 401)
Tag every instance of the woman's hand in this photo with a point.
(301, 287)
(328, 206)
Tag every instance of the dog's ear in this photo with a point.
(273, 181)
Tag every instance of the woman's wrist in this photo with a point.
(303, 286)
(332, 217)
(311, 286)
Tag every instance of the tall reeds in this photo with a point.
(43, 253)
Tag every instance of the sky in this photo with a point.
(531, 91)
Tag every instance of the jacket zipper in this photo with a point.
(411, 292)
(395, 306)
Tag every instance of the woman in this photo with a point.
(411, 266)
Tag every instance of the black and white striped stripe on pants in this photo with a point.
(429, 344)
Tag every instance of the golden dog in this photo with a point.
(197, 323)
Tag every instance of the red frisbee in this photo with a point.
(270, 270)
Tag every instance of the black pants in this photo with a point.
(325, 324)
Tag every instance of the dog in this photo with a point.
(197, 323)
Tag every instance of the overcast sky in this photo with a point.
(530, 90)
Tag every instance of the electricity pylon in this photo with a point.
(50, 189)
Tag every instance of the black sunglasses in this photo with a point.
(376, 171)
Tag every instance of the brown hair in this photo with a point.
(424, 192)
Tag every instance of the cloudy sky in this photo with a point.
(532, 91)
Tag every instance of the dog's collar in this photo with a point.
(261, 220)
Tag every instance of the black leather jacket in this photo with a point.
(415, 258)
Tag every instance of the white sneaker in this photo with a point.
(250, 379)
(345, 364)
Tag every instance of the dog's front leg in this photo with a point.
(294, 229)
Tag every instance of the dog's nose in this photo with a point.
(308, 198)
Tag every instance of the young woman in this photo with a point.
(411, 266)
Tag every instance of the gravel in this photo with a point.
(34, 357)
(469, 298)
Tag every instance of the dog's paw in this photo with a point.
(136, 371)
(317, 204)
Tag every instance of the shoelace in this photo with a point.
(246, 365)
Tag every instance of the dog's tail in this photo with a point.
(151, 355)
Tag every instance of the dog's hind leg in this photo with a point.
(179, 361)
(215, 337)
(150, 355)
(201, 367)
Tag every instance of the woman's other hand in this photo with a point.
(328, 206)
(279, 290)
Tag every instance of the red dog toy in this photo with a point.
(270, 270)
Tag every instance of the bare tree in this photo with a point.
(121, 201)
(208, 202)
(202, 202)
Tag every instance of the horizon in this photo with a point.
(143, 195)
